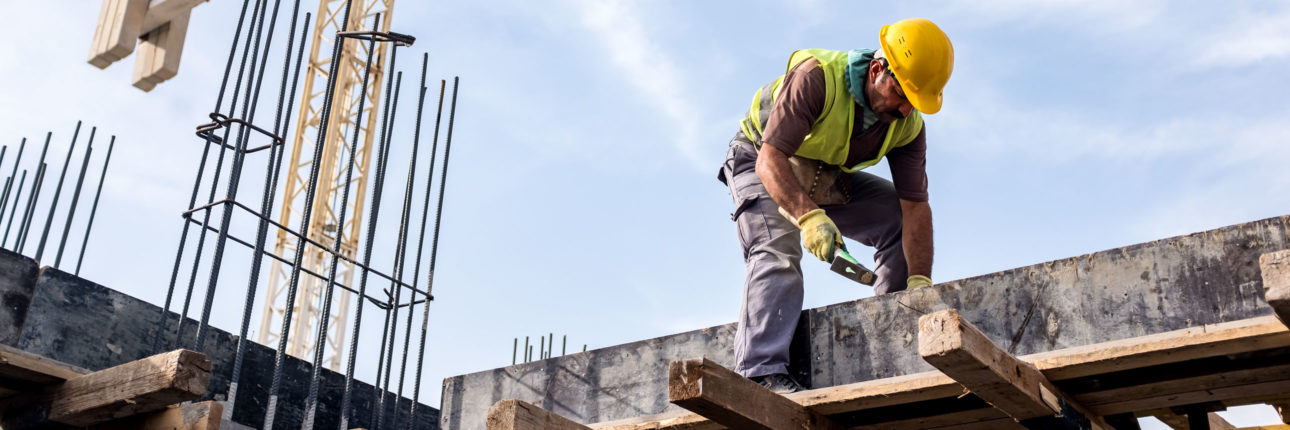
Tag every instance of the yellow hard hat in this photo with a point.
(921, 57)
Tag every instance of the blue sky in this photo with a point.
(582, 197)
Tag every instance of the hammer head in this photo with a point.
(847, 266)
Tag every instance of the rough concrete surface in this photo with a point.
(1153, 287)
(78, 322)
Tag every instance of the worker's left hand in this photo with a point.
(917, 281)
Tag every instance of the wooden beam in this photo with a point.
(162, 11)
(1270, 427)
(1178, 421)
(157, 59)
(1235, 337)
(1147, 393)
(140, 386)
(23, 371)
(958, 349)
(191, 416)
(1283, 409)
(119, 27)
(708, 389)
(513, 414)
(1276, 282)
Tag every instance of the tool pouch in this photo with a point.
(823, 183)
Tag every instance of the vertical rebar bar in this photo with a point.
(256, 17)
(270, 185)
(32, 199)
(58, 190)
(94, 208)
(320, 343)
(306, 217)
(374, 212)
(400, 261)
(14, 210)
(4, 201)
(416, 265)
(249, 108)
(76, 196)
(25, 224)
(201, 168)
(515, 347)
(564, 341)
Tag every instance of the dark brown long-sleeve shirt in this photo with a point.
(800, 103)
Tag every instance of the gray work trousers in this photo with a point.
(773, 252)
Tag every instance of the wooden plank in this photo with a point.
(140, 386)
(960, 419)
(706, 388)
(100, 33)
(1283, 409)
(1212, 340)
(162, 11)
(1180, 422)
(1276, 282)
(1271, 427)
(191, 416)
(23, 371)
(958, 349)
(513, 414)
(1235, 378)
(1192, 397)
(122, 26)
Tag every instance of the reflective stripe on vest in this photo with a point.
(830, 137)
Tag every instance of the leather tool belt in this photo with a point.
(824, 184)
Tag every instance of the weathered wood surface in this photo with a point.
(1231, 338)
(23, 371)
(1016, 387)
(517, 415)
(140, 386)
(1276, 282)
(191, 416)
(723, 396)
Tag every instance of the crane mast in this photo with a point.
(323, 226)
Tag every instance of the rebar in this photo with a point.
(94, 208)
(249, 105)
(306, 216)
(196, 182)
(320, 343)
(416, 265)
(76, 196)
(271, 181)
(14, 210)
(373, 213)
(58, 190)
(25, 224)
(4, 201)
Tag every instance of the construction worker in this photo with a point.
(793, 170)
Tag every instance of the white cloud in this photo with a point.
(646, 66)
(1252, 38)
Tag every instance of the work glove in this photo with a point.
(819, 233)
(917, 281)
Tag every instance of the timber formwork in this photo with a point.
(979, 381)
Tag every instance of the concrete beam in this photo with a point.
(1172, 284)
(1276, 282)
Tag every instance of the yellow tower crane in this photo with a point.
(323, 226)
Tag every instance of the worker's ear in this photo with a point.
(875, 68)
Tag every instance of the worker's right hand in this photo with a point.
(819, 234)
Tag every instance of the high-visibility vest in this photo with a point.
(830, 137)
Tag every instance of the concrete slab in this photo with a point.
(78, 322)
(1153, 287)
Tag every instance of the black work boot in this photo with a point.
(780, 383)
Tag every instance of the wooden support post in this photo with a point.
(136, 387)
(513, 414)
(120, 23)
(192, 416)
(725, 397)
(1276, 282)
(157, 59)
(1123, 422)
(1017, 388)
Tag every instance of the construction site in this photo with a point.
(346, 214)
